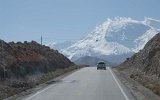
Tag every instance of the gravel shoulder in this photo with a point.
(41, 86)
(138, 90)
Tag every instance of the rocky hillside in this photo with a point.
(144, 66)
(25, 65)
(28, 58)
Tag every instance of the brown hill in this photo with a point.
(25, 65)
(144, 66)
(22, 59)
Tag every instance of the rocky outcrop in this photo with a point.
(29, 58)
(146, 60)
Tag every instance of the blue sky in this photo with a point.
(62, 20)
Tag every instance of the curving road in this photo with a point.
(85, 84)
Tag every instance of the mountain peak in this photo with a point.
(113, 37)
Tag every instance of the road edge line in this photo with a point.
(39, 92)
(125, 96)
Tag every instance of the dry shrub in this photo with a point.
(156, 89)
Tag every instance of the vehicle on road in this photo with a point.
(101, 65)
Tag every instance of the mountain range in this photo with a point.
(60, 45)
(91, 61)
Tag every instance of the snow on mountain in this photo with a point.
(152, 22)
(121, 36)
(142, 40)
(60, 45)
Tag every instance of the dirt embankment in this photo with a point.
(144, 66)
(25, 65)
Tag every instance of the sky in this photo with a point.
(65, 20)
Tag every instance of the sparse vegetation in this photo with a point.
(29, 64)
(144, 66)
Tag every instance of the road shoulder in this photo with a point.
(40, 87)
(139, 91)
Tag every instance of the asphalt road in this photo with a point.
(85, 84)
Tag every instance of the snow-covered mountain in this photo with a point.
(114, 40)
(60, 45)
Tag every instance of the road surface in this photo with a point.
(84, 84)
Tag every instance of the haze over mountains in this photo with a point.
(114, 40)
(60, 45)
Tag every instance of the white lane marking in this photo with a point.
(37, 93)
(118, 84)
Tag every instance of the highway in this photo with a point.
(85, 84)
